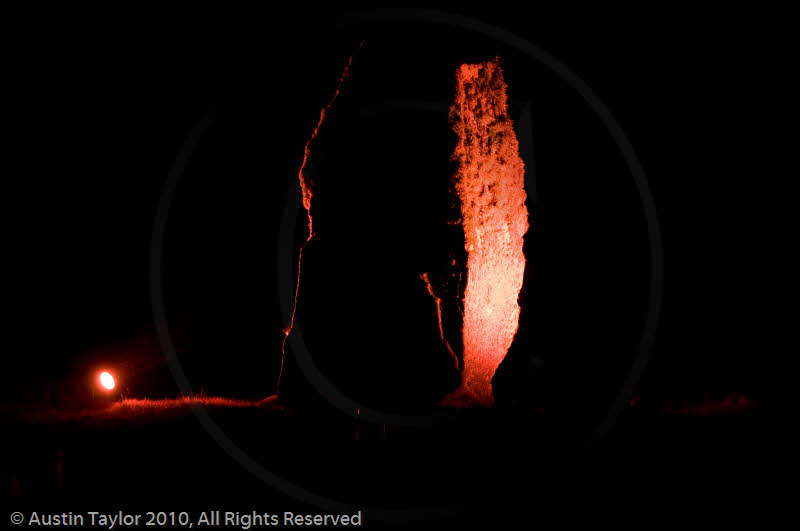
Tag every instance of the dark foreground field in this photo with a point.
(155, 455)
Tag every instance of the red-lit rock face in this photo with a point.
(489, 181)
(307, 187)
(306, 180)
(438, 301)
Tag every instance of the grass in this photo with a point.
(162, 404)
(132, 408)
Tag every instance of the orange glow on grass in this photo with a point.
(489, 182)
(106, 380)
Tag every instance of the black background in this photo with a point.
(98, 113)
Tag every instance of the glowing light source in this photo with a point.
(106, 380)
